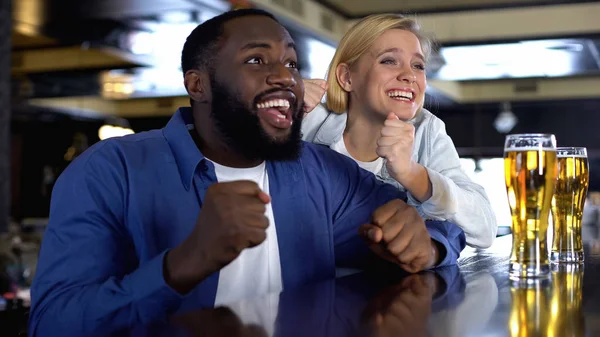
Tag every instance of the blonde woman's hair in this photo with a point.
(357, 41)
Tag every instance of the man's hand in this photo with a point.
(398, 234)
(217, 322)
(232, 219)
(314, 90)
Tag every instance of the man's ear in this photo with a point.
(197, 85)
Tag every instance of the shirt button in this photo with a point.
(204, 167)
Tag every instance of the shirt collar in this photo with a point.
(186, 153)
(188, 156)
(332, 128)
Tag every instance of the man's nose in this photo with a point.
(281, 76)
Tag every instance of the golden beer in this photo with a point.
(530, 171)
(549, 308)
(566, 314)
(567, 204)
(530, 309)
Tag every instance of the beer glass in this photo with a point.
(530, 172)
(567, 204)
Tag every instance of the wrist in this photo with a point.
(407, 177)
(412, 178)
(438, 252)
(417, 183)
(184, 269)
(435, 253)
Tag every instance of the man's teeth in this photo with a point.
(274, 103)
(405, 95)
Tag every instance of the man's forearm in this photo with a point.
(183, 269)
(61, 302)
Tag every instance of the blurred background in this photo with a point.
(74, 72)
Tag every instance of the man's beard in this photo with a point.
(242, 131)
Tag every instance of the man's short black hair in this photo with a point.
(201, 45)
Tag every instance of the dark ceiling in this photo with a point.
(94, 25)
(361, 8)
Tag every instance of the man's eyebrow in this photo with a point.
(293, 46)
(256, 45)
(264, 45)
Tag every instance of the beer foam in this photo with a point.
(528, 148)
(559, 155)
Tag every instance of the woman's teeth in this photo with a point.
(404, 95)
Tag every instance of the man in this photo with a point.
(223, 203)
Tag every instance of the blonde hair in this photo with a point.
(357, 41)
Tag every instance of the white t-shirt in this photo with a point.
(371, 166)
(256, 271)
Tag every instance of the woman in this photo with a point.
(375, 93)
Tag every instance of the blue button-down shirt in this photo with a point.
(120, 206)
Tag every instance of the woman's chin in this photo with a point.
(403, 115)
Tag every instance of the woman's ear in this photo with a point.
(342, 73)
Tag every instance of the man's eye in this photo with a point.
(255, 60)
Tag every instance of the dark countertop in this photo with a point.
(474, 299)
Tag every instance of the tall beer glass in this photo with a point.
(530, 172)
(567, 204)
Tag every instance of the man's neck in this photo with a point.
(212, 146)
(361, 134)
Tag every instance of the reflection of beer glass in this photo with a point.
(567, 204)
(530, 171)
(530, 308)
(566, 314)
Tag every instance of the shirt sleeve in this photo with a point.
(455, 197)
(450, 236)
(312, 121)
(356, 194)
(88, 276)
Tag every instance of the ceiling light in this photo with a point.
(109, 131)
(506, 119)
(539, 58)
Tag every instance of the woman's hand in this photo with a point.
(314, 90)
(396, 144)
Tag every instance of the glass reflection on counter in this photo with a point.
(551, 308)
(566, 314)
(530, 307)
